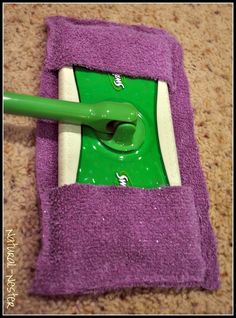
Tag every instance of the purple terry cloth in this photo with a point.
(100, 238)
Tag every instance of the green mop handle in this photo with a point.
(100, 116)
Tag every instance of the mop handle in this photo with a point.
(99, 116)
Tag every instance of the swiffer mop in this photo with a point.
(146, 161)
(107, 222)
(131, 156)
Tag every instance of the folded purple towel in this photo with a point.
(99, 238)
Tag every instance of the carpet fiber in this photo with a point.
(205, 33)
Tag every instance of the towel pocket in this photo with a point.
(100, 238)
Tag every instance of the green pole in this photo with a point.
(96, 115)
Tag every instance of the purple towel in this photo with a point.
(100, 238)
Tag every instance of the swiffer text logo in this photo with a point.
(117, 82)
(123, 179)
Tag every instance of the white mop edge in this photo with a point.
(166, 135)
(69, 136)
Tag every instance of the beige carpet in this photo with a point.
(205, 34)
